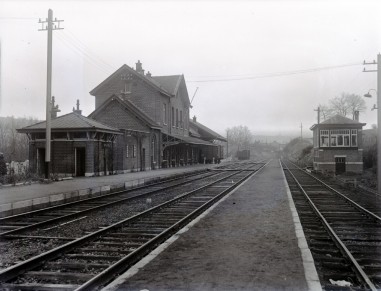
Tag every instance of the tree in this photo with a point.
(347, 104)
(325, 112)
(339, 105)
(355, 103)
(14, 145)
(239, 138)
(344, 105)
(3, 166)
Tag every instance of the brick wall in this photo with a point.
(116, 116)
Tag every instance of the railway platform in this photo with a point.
(251, 240)
(14, 199)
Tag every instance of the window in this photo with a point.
(340, 138)
(177, 118)
(354, 137)
(134, 151)
(173, 117)
(181, 119)
(164, 113)
(127, 151)
(324, 138)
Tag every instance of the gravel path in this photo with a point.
(247, 242)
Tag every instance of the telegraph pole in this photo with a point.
(301, 131)
(378, 63)
(49, 25)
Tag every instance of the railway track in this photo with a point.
(343, 236)
(16, 224)
(92, 260)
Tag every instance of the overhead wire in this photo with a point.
(275, 74)
(87, 50)
(83, 54)
(86, 53)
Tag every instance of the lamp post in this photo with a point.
(378, 91)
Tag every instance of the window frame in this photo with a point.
(324, 133)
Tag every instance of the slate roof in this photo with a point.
(149, 80)
(129, 105)
(206, 132)
(169, 83)
(193, 140)
(71, 121)
(337, 120)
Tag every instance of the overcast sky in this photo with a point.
(231, 50)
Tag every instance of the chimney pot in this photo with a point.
(194, 118)
(148, 74)
(78, 111)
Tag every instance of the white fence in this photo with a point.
(17, 167)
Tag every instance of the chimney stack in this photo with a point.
(357, 116)
(54, 109)
(78, 111)
(139, 67)
(148, 74)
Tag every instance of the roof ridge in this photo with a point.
(141, 76)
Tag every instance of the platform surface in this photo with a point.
(247, 242)
(10, 194)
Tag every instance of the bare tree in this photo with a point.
(344, 105)
(325, 112)
(14, 145)
(339, 105)
(355, 103)
(239, 137)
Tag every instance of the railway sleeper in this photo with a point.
(38, 286)
(104, 250)
(133, 235)
(90, 257)
(59, 276)
(360, 238)
(126, 238)
(75, 266)
(118, 244)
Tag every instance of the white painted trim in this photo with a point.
(310, 272)
(340, 156)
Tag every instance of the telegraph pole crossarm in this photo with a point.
(49, 25)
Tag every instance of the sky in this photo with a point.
(262, 64)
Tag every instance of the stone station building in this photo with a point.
(140, 122)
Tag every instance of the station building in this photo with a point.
(337, 145)
(140, 122)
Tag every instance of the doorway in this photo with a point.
(41, 162)
(80, 159)
(340, 165)
(143, 160)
